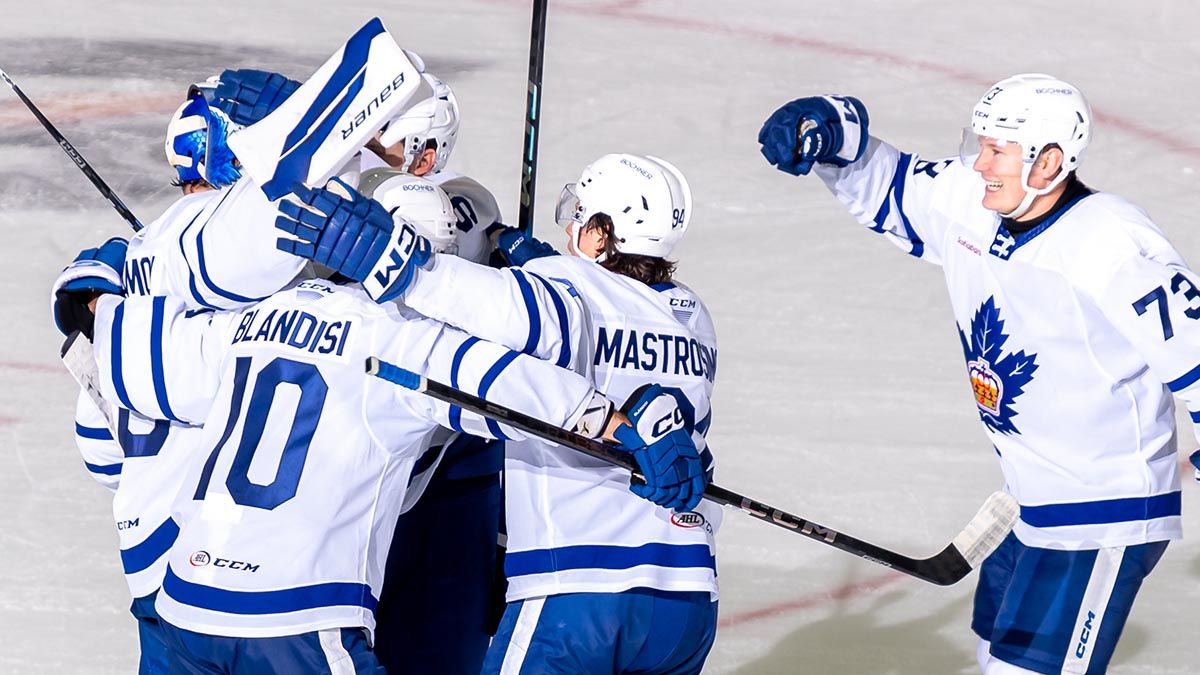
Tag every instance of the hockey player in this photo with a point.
(146, 462)
(458, 515)
(1078, 320)
(278, 566)
(635, 590)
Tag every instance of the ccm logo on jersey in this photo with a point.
(127, 524)
(362, 115)
(202, 558)
(1086, 635)
(687, 520)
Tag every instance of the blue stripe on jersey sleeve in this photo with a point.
(455, 364)
(1103, 511)
(560, 309)
(94, 433)
(104, 469)
(486, 383)
(918, 246)
(118, 377)
(158, 310)
(1186, 380)
(1195, 417)
(333, 594)
(191, 274)
(137, 558)
(212, 286)
(531, 308)
(607, 557)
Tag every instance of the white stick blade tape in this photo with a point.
(988, 528)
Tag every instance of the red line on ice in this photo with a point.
(809, 601)
(29, 367)
(632, 10)
(81, 107)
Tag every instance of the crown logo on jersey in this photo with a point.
(987, 386)
(997, 378)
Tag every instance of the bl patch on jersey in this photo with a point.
(997, 378)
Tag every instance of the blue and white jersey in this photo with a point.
(474, 205)
(1075, 334)
(288, 516)
(477, 213)
(186, 253)
(215, 249)
(102, 457)
(573, 525)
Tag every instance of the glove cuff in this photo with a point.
(596, 415)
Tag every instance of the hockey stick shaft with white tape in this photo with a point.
(981, 536)
(80, 162)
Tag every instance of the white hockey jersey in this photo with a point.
(1075, 334)
(287, 520)
(183, 254)
(477, 213)
(573, 525)
(474, 205)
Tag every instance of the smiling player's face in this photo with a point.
(999, 164)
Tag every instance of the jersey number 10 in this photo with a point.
(295, 450)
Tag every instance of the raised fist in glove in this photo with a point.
(337, 227)
(826, 129)
(663, 449)
(248, 95)
(94, 271)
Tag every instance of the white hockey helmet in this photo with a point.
(434, 118)
(424, 205)
(647, 198)
(1034, 111)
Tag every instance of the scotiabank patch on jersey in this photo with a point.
(997, 378)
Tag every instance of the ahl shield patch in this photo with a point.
(997, 379)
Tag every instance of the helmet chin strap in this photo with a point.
(575, 230)
(1032, 193)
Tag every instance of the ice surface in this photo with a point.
(841, 394)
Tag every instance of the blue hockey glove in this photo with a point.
(248, 95)
(663, 449)
(354, 236)
(827, 129)
(94, 271)
(515, 248)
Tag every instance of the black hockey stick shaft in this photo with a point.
(945, 568)
(80, 162)
(533, 106)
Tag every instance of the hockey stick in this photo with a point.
(75, 156)
(533, 106)
(978, 539)
(76, 351)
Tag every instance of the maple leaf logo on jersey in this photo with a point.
(997, 379)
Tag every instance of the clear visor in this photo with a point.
(569, 210)
(972, 144)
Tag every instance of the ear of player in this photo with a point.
(93, 272)
(663, 449)
(355, 236)
(824, 129)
